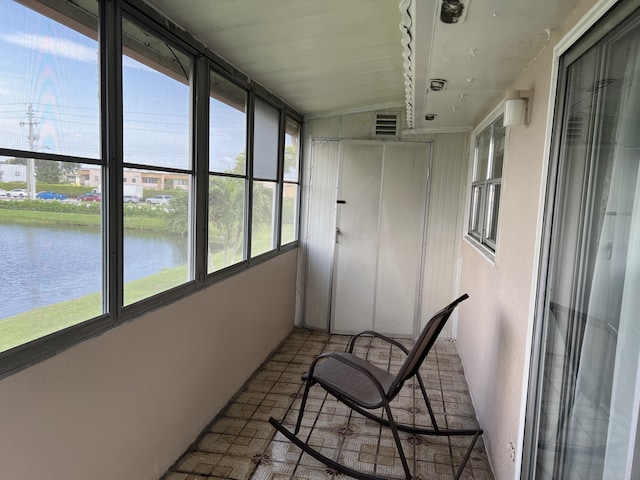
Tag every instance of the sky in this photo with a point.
(54, 70)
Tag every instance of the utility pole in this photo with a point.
(33, 138)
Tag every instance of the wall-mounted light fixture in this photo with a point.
(516, 107)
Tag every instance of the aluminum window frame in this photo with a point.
(110, 75)
(481, 220)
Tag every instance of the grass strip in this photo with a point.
(27, 326)
(35, 218)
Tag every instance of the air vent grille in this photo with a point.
(386, 124)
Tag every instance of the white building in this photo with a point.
(13, 173)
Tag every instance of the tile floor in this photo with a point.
(240, 443)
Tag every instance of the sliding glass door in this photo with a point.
(583, 410)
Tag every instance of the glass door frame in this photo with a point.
(597, 26)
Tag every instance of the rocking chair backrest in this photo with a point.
(423, 345)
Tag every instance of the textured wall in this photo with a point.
(127, 404)
(494, 323)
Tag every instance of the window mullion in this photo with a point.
(280, 182)
(251, 102)
(111, 106)
(200, 196)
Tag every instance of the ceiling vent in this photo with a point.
(437, 84)
(386, 125)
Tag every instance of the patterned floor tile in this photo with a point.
(240, 444)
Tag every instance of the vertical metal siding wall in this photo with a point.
(445, 224)
(445, 217)
(319, 239)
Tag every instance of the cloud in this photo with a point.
(53, 45)
(63, 48)
(128, 62)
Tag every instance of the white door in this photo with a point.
(379, 237)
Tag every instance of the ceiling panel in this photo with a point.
(324, 56)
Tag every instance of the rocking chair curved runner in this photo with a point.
(363, 386)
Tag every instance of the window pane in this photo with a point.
(265, 145)
(493, 203)
(157, 236)
(226, 222)
(482, 155)
(49, 97)
(498, 149)
(290, 202)
(156, 115)
(474, 217)
(50, 256)
(264, 208)
(292, 151)
(227, 126)
(156, 100)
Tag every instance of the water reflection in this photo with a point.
(41, 266)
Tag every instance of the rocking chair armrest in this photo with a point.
(352, 342)
(349, 363)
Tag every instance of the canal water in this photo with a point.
(42, 266)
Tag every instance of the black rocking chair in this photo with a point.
(363, 387)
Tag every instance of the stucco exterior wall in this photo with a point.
(494, 324)
(127, 404)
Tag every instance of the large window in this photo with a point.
(157, 138)
(51, 254)
(486, 184)
(291, 183)
(117, 191)
(227, 173)
(265, 175)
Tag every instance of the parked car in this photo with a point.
(159, 199)
(131, 199)
(3, 193)
(17, 193)
(49, 195)
(90, 197)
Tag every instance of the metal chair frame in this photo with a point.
(324, 366)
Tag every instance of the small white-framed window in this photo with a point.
(486, 184)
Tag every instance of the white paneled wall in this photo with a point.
(318, 240)
(445, 217)
(445, 224)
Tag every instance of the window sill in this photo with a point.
(483, 250)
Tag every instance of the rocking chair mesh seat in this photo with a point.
(363, 387)
(337, 375)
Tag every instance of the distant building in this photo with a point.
(13, 173)
(92, 177)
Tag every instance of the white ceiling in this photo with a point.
(330, 56)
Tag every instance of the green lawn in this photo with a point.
(30, 217)
(27, 326)
(262, 242)
(36, 218)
